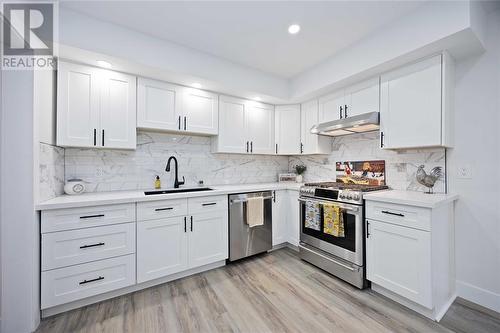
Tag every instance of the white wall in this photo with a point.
(477, 212)
(19, 243)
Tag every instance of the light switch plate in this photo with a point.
(464, 172)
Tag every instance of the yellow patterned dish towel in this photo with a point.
(333, 220)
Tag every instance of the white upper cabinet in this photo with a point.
(77, 105)
(118, 110)
(259, 120)
(231, 138)
(95, 108)
(245, 127)
(416, 105)
(158, 105)
(168, 107)
(362, 98)
(287, 130)
(200, 111)
(312, 143)
(331, 107)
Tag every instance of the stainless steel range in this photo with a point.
(342, 255)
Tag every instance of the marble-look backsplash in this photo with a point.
(400, 165)
(51, 172)
(109, 170)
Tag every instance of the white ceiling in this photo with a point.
(254, 33)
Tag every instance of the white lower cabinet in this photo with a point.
(64, 285)
(208, 238)
(398, 258)
(161, 248)
(409, 254)
(286, 217)
(197, 236)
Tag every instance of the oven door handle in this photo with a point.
(345, 207)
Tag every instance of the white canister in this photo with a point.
(74, 186)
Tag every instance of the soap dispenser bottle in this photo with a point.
(157, 183)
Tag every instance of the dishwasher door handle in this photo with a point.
(240, 201)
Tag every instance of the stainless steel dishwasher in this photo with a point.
(243, 240)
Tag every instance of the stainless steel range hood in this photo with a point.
(365, 122)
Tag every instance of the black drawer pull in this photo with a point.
(391, 213)
(209, 204)
(91, 245)
(166, 208)
(91, 216)
(93, 280)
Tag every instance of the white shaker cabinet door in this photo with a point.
(158, 105)
(201, 111)
(312, 143)
(287, 130)
(231, 138)
(279, 217)
(410, 112)
(118, 111)
(259, 121)
(399, 259)
(161, 247)
(331, 107)
(77, 105)
(362, 98)
(293, 217)
(208, 238)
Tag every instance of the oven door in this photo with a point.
(349, 247)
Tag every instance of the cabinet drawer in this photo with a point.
(76, 218)
(408, 216)
(207, 204)
(160, 209)
(66, 248)
(72, 283)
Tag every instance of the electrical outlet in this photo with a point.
(464, 172)
(99, 172)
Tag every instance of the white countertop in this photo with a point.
(116, 197)
(411, 198)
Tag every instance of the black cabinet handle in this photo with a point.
(179, 122)
(381, 139)
(91, 245)
(276, 148)
(251, 146)
(367, 229)
(391, 213)
(95, 137)
(160, 209)
(185, 121)
(301, 148)
(185, 224)
(341, 112)
(93, 280)
(209, 204)
(274, 196)
(345, 111)
(103, 138)
(91, 216)
(191, 223)
(247, 146)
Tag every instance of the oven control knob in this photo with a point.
(356, 197)
(349, 196)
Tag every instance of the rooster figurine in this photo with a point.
(428, 180)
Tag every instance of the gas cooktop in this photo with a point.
(338, 191)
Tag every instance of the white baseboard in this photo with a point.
(485, 298)
(441, 312)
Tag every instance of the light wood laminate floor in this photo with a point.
(275, 292)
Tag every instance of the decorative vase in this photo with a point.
(299, 179)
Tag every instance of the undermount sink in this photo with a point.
(178, 190)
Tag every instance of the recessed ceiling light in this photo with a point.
(104, 64)
(257, 98)
(196, 85)
(293, 29)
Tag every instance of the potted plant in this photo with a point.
(300, 169)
